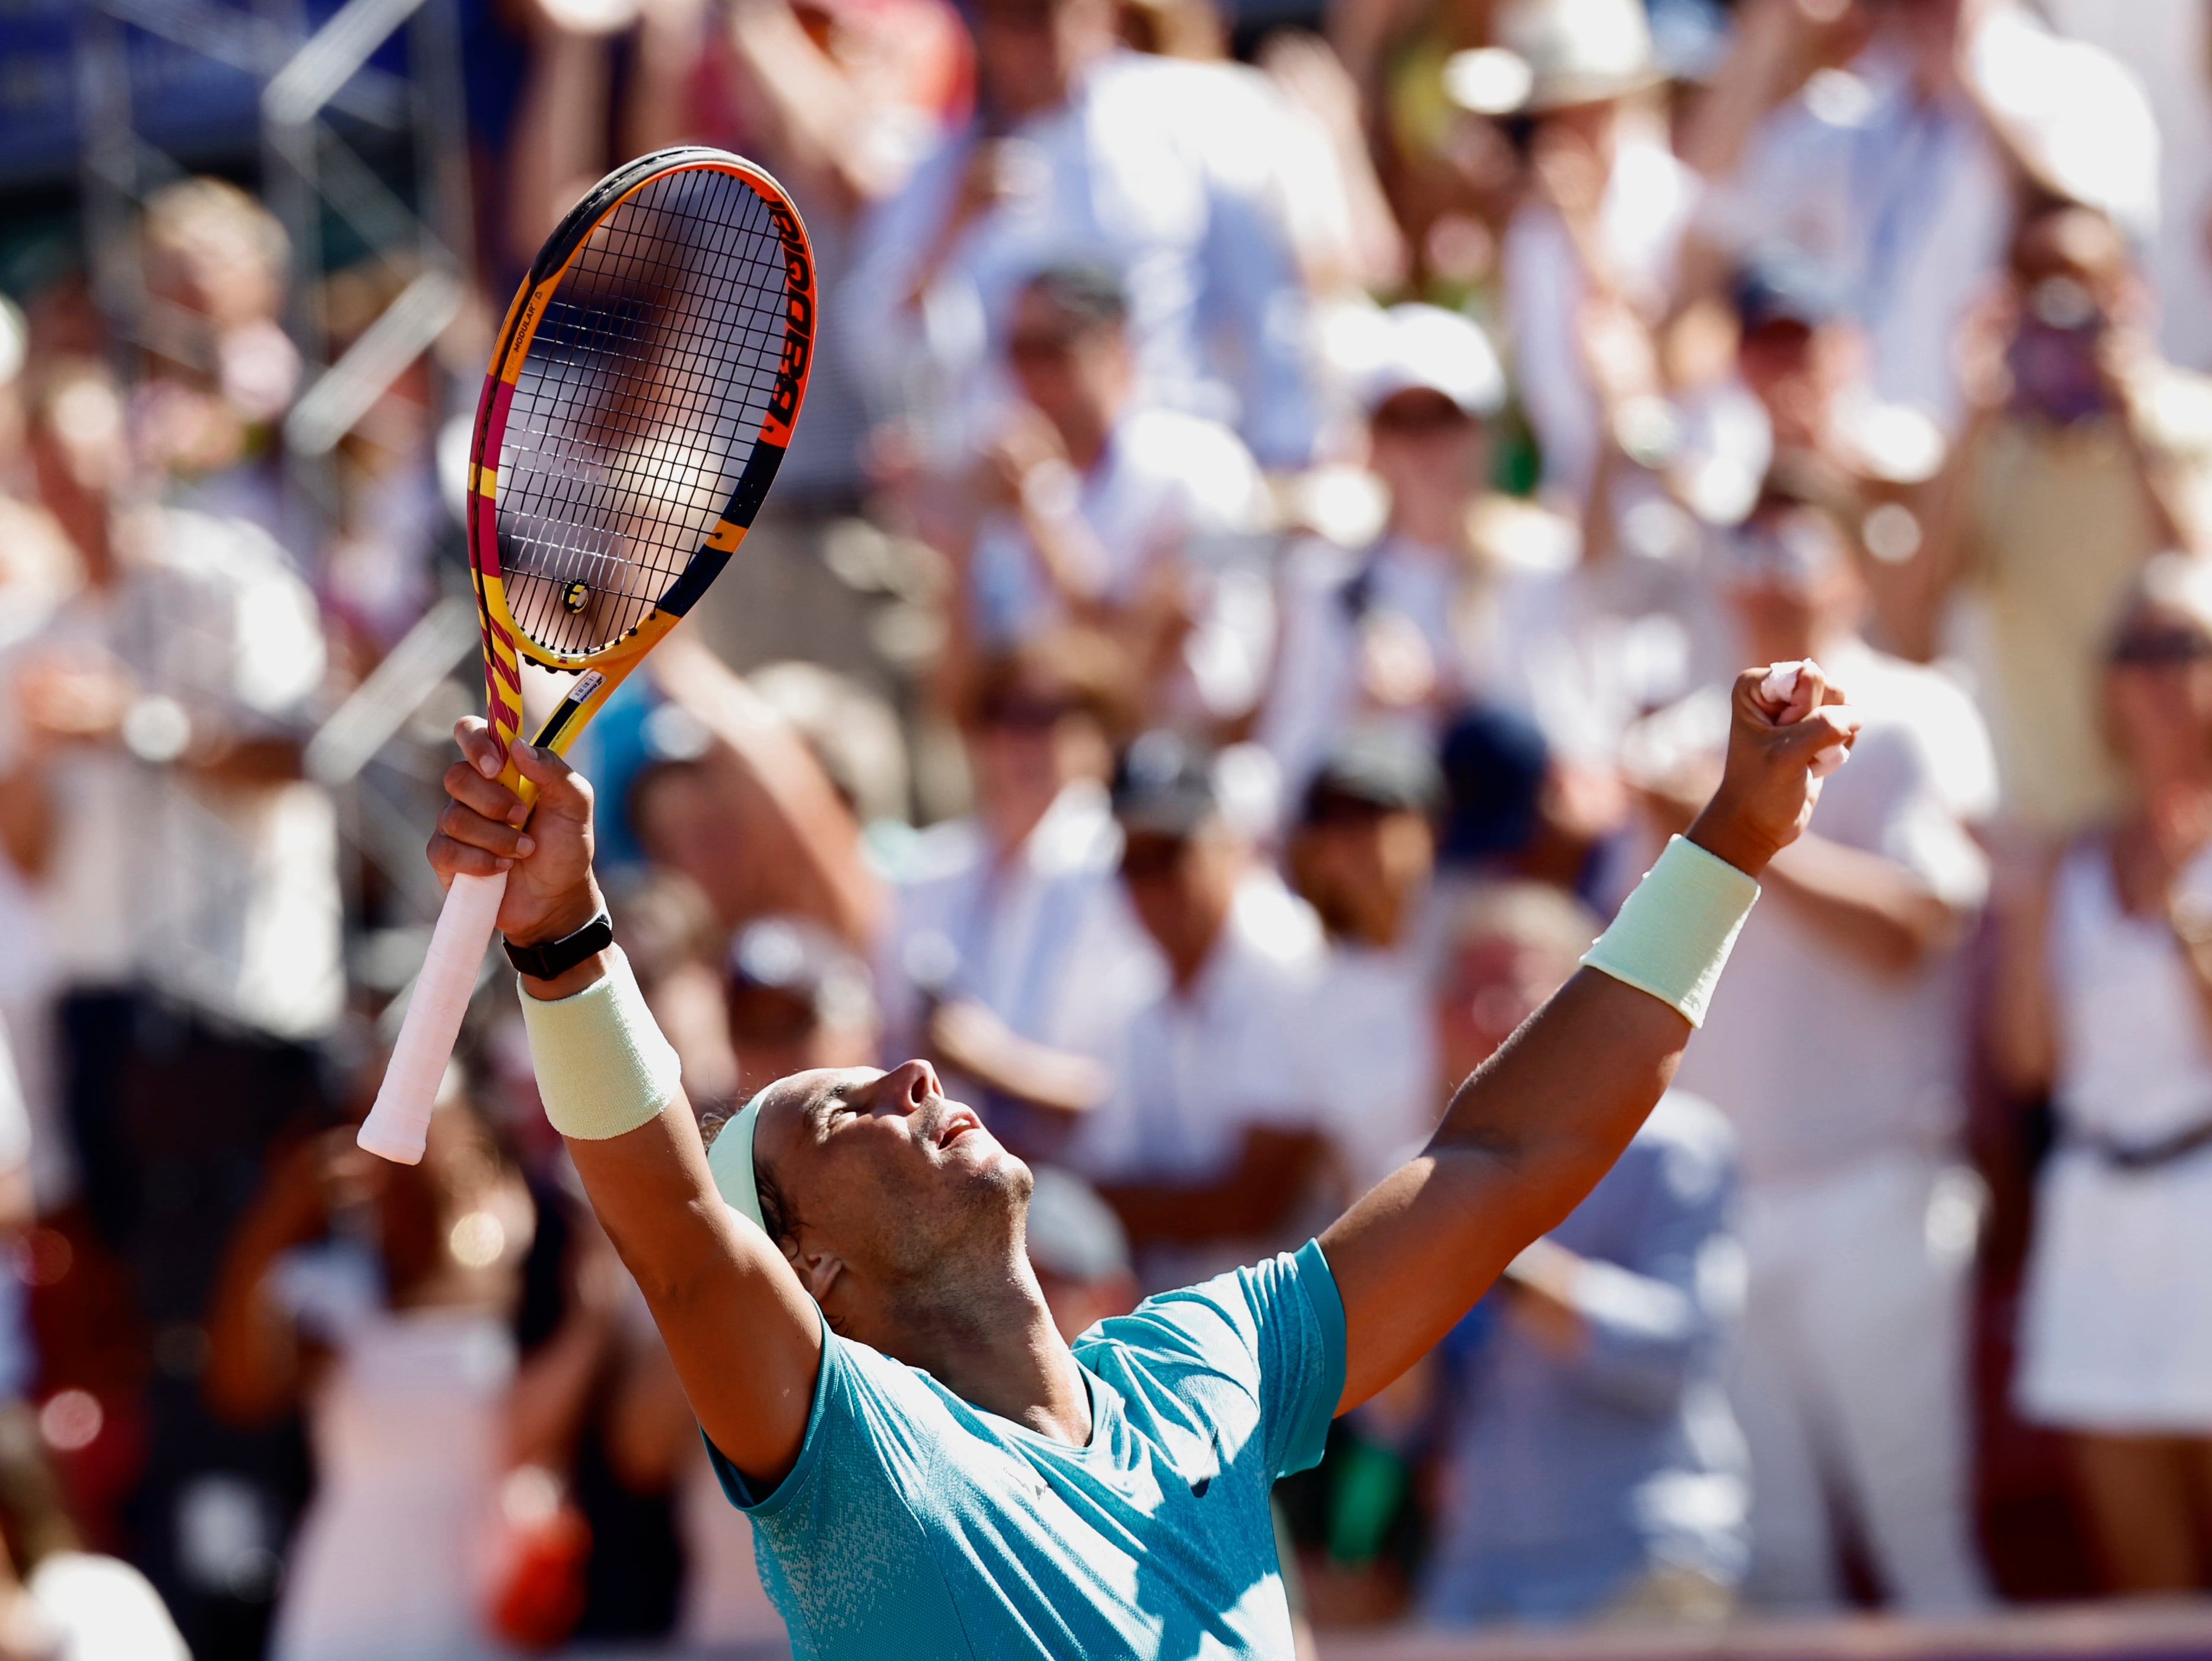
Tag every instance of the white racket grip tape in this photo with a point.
(1781, 682)
(399, 1123)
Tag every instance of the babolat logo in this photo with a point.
(799, 326)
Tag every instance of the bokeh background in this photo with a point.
(1285, 487)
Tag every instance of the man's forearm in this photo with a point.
(1524, 1140)
(1874, 909)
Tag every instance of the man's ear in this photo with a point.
(822, 1273)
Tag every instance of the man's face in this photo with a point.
(884, 1175)
(1077, 372)
(1796, 371)
(1026, 747)
(1027, 51)
(2157, 690)
(1491, 984)
(1422, 444)
(1182, 887)
(1360, 865)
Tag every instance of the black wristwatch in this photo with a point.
(551, 959)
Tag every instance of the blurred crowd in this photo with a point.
(1283, 495)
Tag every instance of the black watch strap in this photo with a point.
(551, 959)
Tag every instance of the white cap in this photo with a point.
(1425, 346)
(1569, 52)
(2078, 118)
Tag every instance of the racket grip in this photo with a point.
(398, 1123)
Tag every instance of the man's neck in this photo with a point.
(995, 1346)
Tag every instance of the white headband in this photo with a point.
(731, 1160)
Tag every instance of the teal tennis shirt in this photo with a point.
(918, 1527)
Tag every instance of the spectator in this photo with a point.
(379, 1294)
(220, 370)
(1858, 1224)
(1009, 923)
(1363, 855)
(1382, 633)
(2087, 455)
(2104, 1004)
(1160, 168)
(151, 739)
(1899, 173)
(61, 1602)
(1213, 1137)
(1085, 504)
(1598, 242)
(731, 773)
(1590, 1465)
(797, 998)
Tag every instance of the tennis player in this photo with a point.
(931, 1470)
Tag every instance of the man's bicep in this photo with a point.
(745, 1338)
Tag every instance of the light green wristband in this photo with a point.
(603, 1066)
(1673, 936)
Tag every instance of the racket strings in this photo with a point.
(638, 405)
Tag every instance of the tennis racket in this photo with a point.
(638, 403)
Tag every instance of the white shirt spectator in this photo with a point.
(1194, 1070)
(1166, 478)
(2117, 1334)
(1908, 200)
(1649, 203)
(1372, 1067)
(226, 899)
(1047, 941)
(1166, 169)
(1884, 1069)
(1332, 598)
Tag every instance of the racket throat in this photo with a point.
(567, 712)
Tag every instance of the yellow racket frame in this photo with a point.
(599, 671)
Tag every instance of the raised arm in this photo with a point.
(1530, 1133)
(745, 1338)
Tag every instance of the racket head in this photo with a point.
(644, 387)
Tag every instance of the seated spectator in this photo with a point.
(1214, 1134)
(1362, 856)
(2087, 454)
(1161, 168)
(1011, 948)
(2105, 1002)
(1591, 1468)
(380, 1296)
(1859, 1222)
(1084, 504)
(1380, 632)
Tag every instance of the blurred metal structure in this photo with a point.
(318, 82)
(350, 93)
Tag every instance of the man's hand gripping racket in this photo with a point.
(640, 399)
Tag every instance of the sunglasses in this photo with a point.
(2161, 648)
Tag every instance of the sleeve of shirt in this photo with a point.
(1278, 1331)
(1649, 1320)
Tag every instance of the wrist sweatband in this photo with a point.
(1673, 936)
(730, 1157)
(603, 1066)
